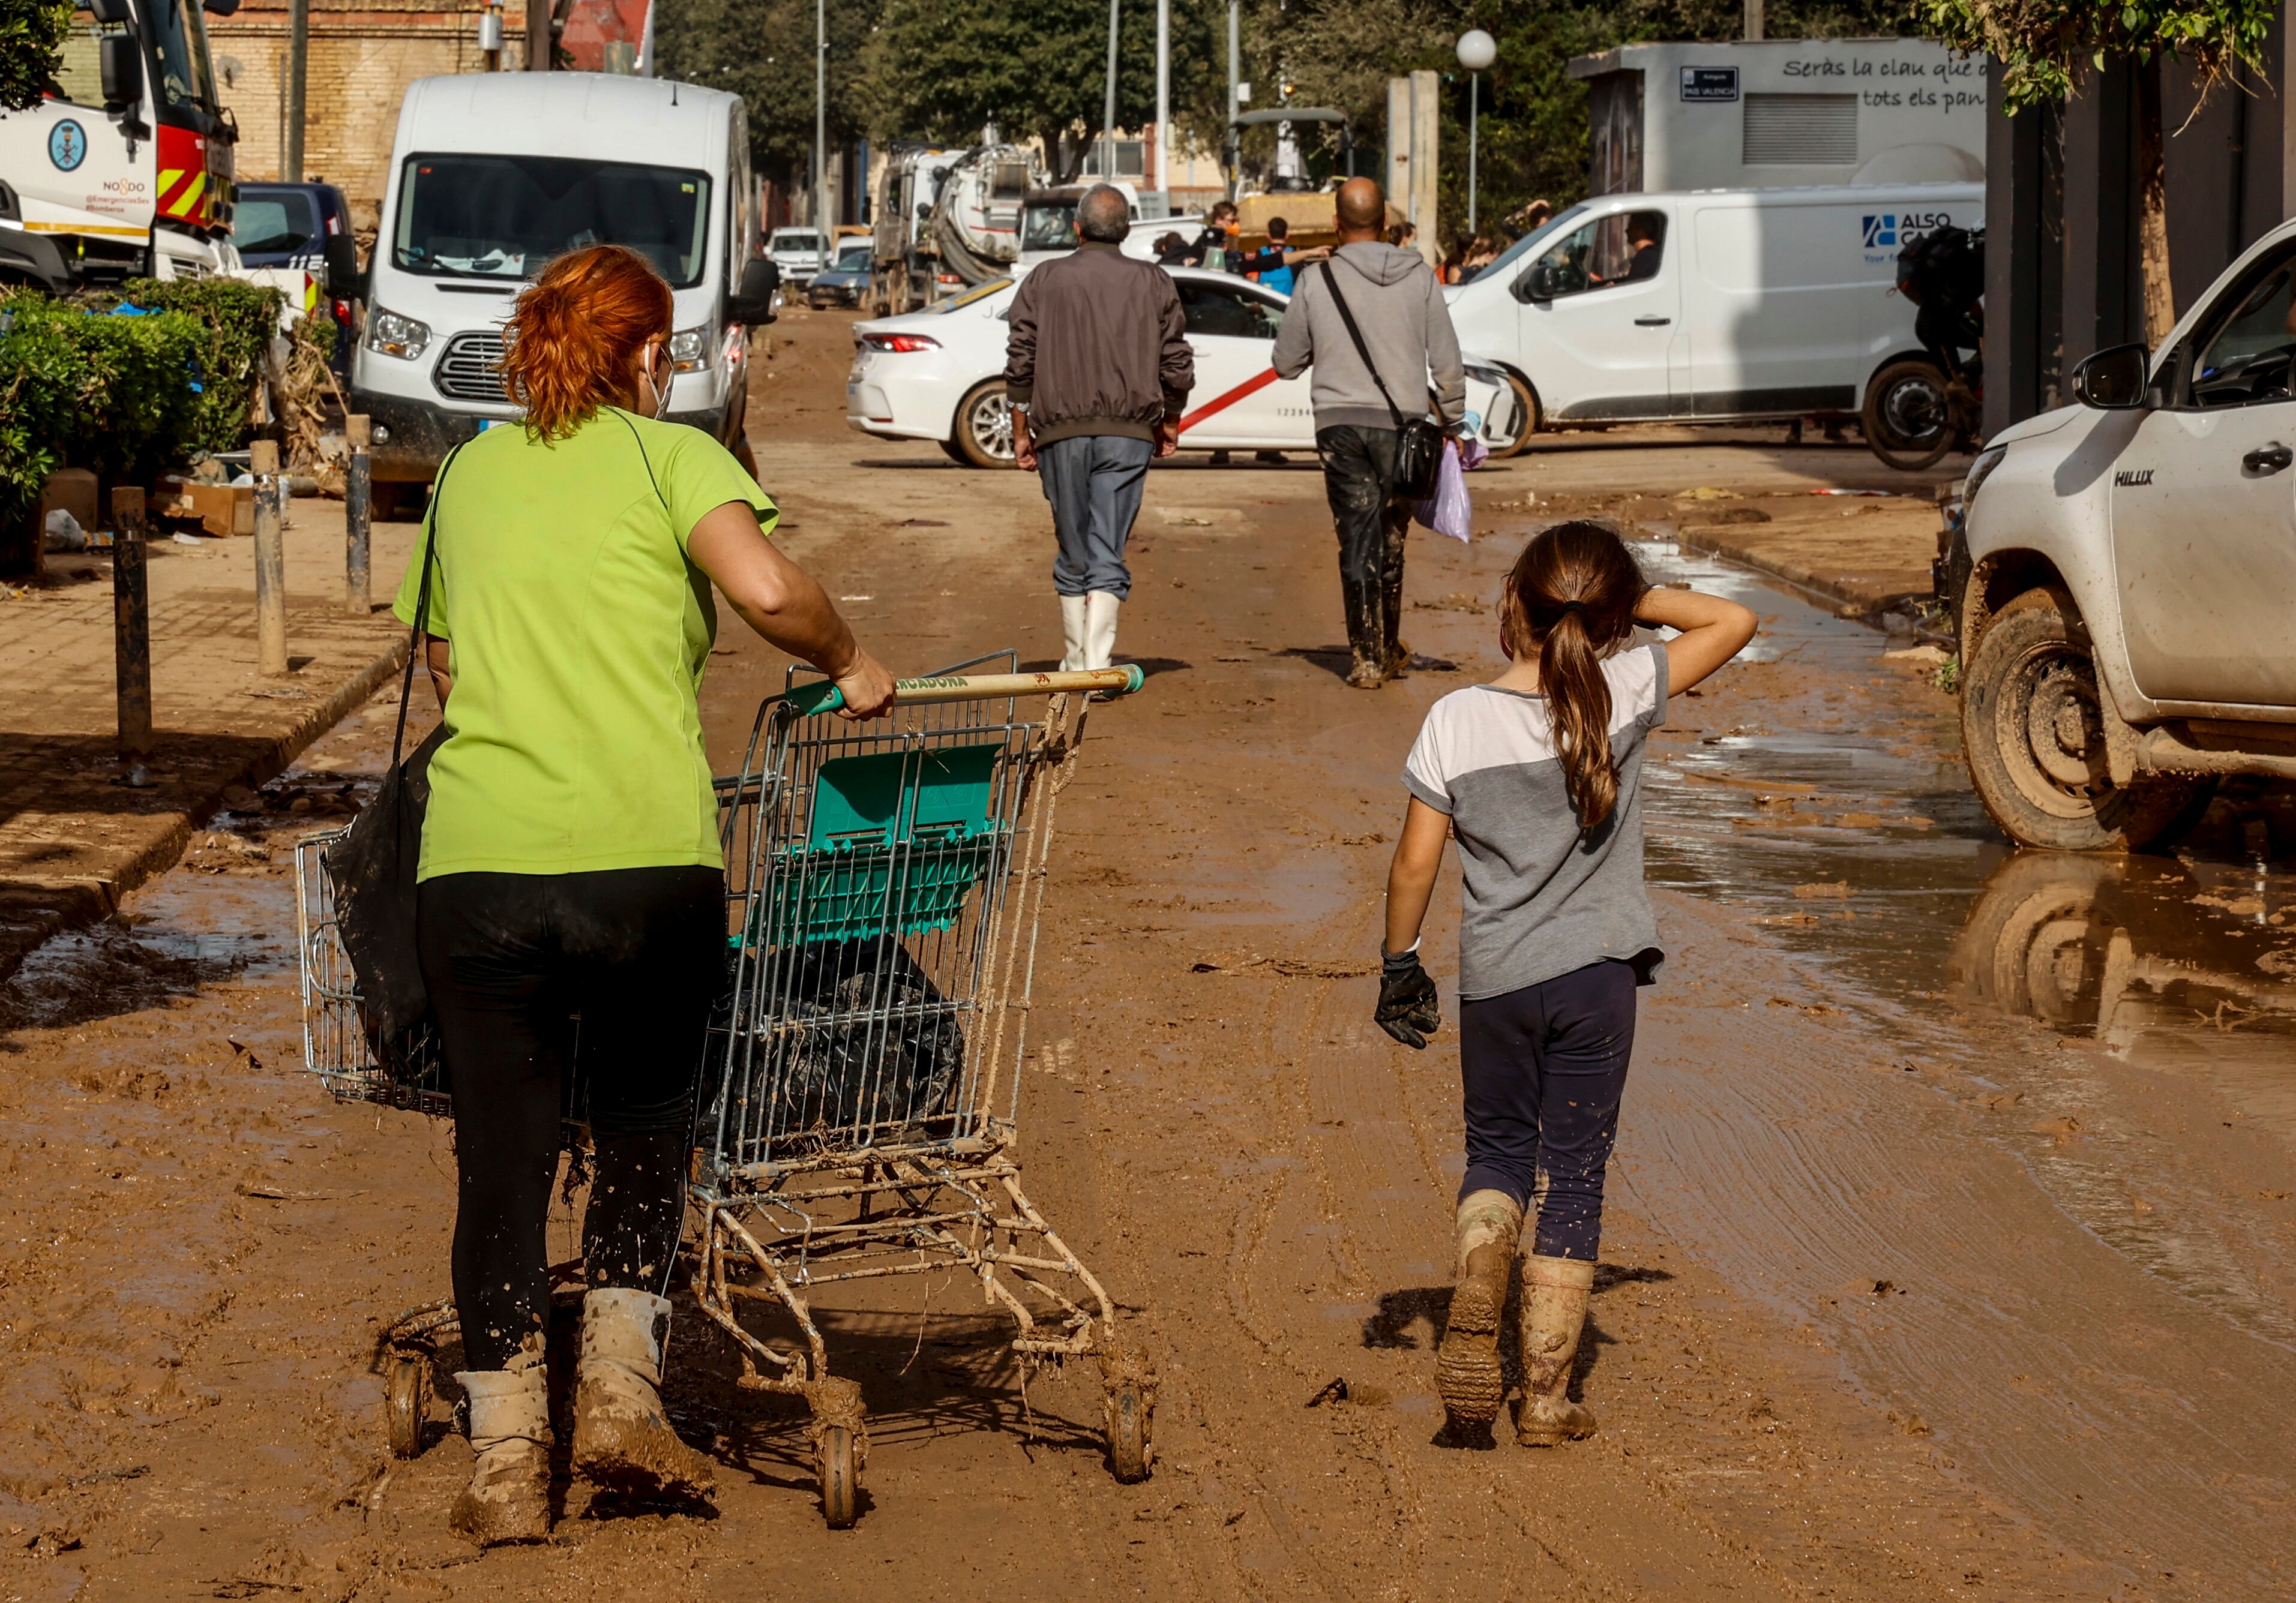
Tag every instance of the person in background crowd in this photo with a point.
(1404, 236)
(1098, 370)
(1274, 262)
(1479, 255)
(1398, 307)
(1172, 251)
(1533, 215)
(1216, 244)
(1538, 775)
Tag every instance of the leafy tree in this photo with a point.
(31, 48)
(2046, 47)
(762, 50)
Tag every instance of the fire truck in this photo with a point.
(125, 167)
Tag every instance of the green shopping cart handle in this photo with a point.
(822, 696)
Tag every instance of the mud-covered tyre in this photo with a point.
(984, 426)
(406, 1403)
(841, 1477)
(2032, 730)
(1907, 419)
(954, 453)
(1526, 404)
(1130, 1415)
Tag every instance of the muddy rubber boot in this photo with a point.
(1100, 610)
(1391, 608)
(1554, 1292)
(508, 1499)
(1072, 636)
(1366, 656)
(1467, 1365)
(623, 1441)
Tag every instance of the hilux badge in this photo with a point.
(2129, 477)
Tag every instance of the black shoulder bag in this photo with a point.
(1418, 443)
(374, 864)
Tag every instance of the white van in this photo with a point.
(1716, 306)
(493, 176)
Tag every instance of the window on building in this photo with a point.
(1131, 159)
(1800, 130)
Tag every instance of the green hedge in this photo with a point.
(128, 397)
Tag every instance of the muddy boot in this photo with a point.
(1367, 654)
(622, 1439)
(1554, 1292)
(1072, 638)
(508, 1499)
(1390, 606)
(1467, 1365)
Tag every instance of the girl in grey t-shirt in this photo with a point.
(1539, 776)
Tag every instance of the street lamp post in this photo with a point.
(821, 126)
(1476, 51)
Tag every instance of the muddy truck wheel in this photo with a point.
(2034, 736)
(1907, 419)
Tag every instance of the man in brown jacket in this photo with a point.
(1098, 370)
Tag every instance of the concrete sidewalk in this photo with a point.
(72, 839)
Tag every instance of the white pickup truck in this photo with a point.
(2129, 619)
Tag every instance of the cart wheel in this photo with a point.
(1129, 1413)
(407, 1407)
(841, 1478)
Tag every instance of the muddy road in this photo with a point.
(1951, 1250)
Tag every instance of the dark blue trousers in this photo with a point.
(1544, 1068)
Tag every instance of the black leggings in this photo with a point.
(510, 959)
(1544, 1068)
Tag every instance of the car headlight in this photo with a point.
(1978, 471)
(689, 350)
(397, 336)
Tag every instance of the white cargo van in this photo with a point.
(1713, 306)
(493, 176)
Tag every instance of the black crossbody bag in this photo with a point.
(1418, 443)
(374, 864)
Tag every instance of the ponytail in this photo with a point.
(1570, 603)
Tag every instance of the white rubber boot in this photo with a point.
(622, 1438)
(508, 1499)
(1555, 1293)
(1467, 1365)
(1072, 632)
(1100, 628)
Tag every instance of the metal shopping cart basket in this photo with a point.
(860, 1100)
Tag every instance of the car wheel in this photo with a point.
(984, 426)
(954, 453)
(2031, 724)
(1907, 419)
(1526, 409)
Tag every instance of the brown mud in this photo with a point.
(1950, 1253)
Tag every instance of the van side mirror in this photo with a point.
(1536, 285)
(344, 280)
(112, 12)
(753, 302)
(2114, 379)
(119, 68)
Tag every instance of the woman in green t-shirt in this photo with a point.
(570, 862)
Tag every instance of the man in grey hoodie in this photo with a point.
(1398, 307)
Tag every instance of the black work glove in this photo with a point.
(1409, 1008)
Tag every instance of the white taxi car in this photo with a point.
(937, 374)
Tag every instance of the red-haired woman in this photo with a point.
(1538, 775)
(570, 858)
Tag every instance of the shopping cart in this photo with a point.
(860, 1100)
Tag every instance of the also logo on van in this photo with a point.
(1880, 230)
(1902, 227)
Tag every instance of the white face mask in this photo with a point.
(662, 379)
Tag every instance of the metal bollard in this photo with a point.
(131, 624)
(359, 516)
(270, 559)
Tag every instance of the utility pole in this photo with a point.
(541, 48)
(298, 55)
(1163, 99)
(1234, 143)
(1108, 115)
(821, 122)
(1753, 19)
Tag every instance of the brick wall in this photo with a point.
(362, 58)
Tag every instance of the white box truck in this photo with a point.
(495, 175)
(1714, 307)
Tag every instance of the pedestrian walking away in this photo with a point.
(1098, 370)
(1537, 776)
(570, 863)
(1372, 323)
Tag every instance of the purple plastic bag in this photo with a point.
(1448, 511)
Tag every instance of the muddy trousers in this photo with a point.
(1544, 1068)
(1358, 480)
(510, 959)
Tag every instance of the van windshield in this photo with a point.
(1522, 246)
(469, 215)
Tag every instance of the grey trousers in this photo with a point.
(1094, 482)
